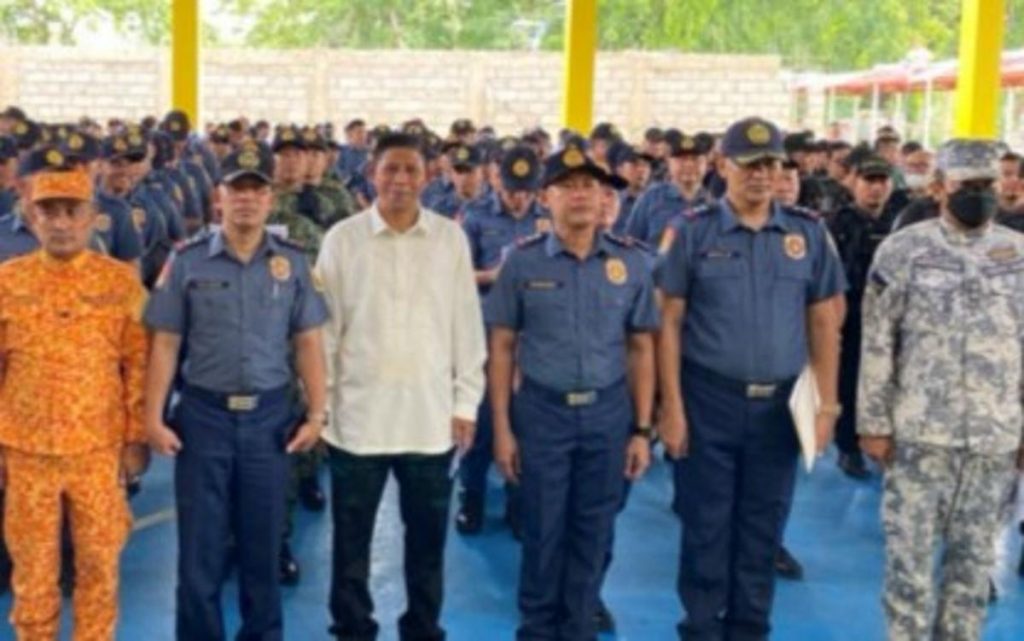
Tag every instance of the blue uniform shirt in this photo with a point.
(660, 203)
(351, 160)
(747, 292)
(627, 202)
(7, 199)
(115, 227)
(434, 192)
(161, 192)
(491, 229)
(573, 317)
(236, 319)
(16, 239)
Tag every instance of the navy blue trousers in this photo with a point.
(735, 489)
(573, 461)
(230, 481)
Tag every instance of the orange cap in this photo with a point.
(74, 185)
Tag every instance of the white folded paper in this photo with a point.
(804, 404)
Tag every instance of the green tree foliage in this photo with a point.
(816, 34)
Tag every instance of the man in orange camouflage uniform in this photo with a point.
(73, 356)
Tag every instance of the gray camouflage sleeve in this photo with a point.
(883, 307)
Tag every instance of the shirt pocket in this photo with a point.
(933, 291)
(546, 311)
(277, 303)
(718, 281)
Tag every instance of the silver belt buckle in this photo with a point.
(580, 399)
(755, 390)
(243, 403)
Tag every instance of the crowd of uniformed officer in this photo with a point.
(759, 245)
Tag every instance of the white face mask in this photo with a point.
(916, 181)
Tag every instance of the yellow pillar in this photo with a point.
(185, 57)
(977, 91)
(580, 54)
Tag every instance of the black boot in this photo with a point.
(310, 494)
(787, 567)
(853, 465)
(470, 518)
(604, 619)
(288, 566)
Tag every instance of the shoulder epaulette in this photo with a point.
(291, 243)
(190, 243)
(526, 241)
(804, 212)
(697, 212)
(621, 241)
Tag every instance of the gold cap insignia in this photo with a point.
(120, 145)
(521, 168)
(75, 142)
(54, 158)
(174, 125)
(21, 128)
(248, 160)
(287, 135)
(758, 134)
(134, 139)
(573, 157)
(462, 154)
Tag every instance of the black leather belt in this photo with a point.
(576, 398)
(758, 390)
(238, 402)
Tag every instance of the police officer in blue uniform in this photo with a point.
(493, 225)
(467, 181)
(8, 174)
(680, 194)
(751, 294)
(236, 315)
(575, 308)
(114, 223)
(635, 168)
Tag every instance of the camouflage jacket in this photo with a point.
(943, 330)
(301, 229)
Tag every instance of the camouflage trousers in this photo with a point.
(944, 499)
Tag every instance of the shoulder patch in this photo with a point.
(291, 243)
(697, 212)
(191, 243)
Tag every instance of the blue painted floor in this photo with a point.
(834, 530)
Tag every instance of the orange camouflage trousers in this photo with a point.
(39, 488)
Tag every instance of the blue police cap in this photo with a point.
(288, 136)
(520, 169)
(81, 146)
(571, 160)
(176, 125)
(250, 159)
(26, 134)
(48, 157)
(465, 156)
(752, 139)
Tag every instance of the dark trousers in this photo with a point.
(573, 460)
(737, 487)
(230, 480)
(424, 488)
(477, 461)
(849, 370)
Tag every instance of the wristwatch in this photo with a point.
(645, 431)
(831, 410)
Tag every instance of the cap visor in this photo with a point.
(746, 159)
(246, 173)
(590, 169)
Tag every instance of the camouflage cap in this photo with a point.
(961, 159)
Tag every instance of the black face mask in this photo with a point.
(973, 208)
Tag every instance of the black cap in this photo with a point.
(288, 136)
(462, 127)
(45, 157)
(163, 149)
(220, 135)
(572, 160)
(176, 125)
(8, 148)
(697, 145)
(81, 146)
(752, 139)
(797, 142)
(857, 154)
(250, 159)
(605, 131)
(654, 134)
(520, 169)
(465, 156)
(130, 144)
(14, 113)
(873, 166)
(313, 139)
(26, 134)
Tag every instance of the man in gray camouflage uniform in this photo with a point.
(940, 404)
